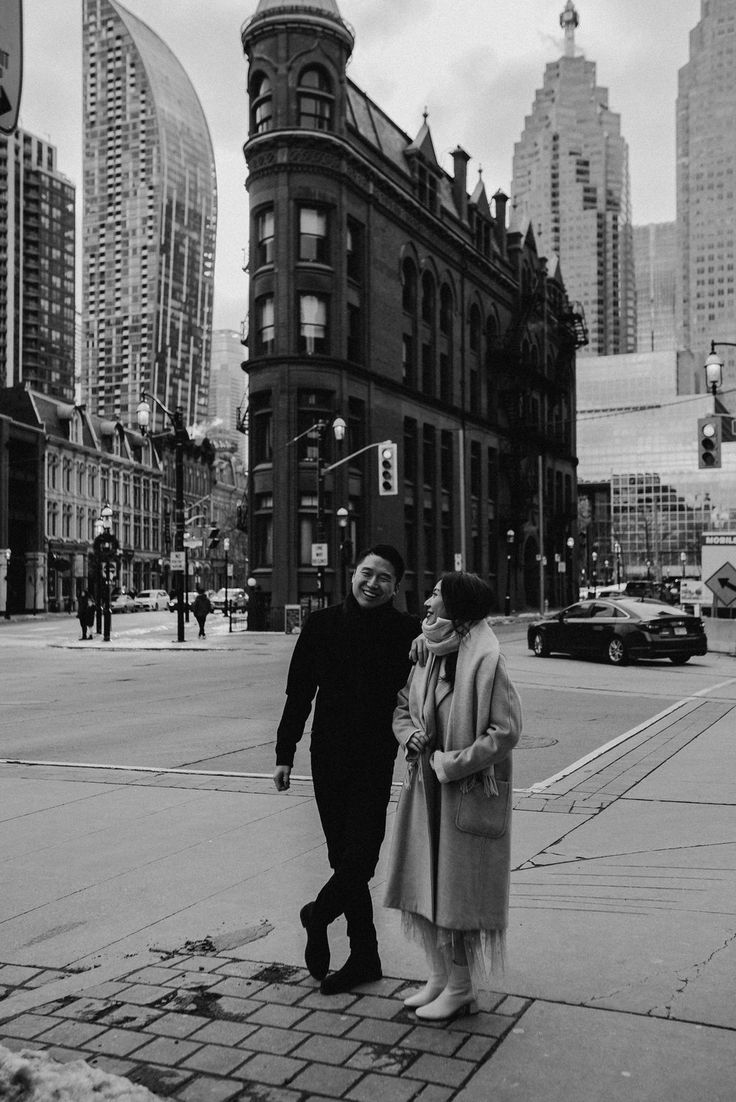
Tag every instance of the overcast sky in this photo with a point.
(475, 65)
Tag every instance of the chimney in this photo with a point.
(460, 182)
(500, 199)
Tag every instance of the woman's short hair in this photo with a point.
(466, 597)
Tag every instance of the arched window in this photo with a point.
(409, 286)
(474, 329)
(446, 311)
(316, 99)
(261, 104)
(428, 299)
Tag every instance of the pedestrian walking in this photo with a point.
(201, 607)
(355, 658)
(458, 719)
(86, 613)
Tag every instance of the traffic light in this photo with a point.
(709, 442)
(214, 538)
(388, 477)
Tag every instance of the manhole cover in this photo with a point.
(529, 742)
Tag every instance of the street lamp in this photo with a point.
(510, 537)
(181, 437)
(7, 554)
(594, 571)
(683, 561)
(226, 548)
(714, 367)
(649, 570)
(346, 547)
(319, 546)
(617, 552)
(571, 582)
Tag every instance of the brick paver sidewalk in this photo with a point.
(207, 1027)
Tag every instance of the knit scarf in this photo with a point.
(470, 707)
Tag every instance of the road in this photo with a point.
(218, 709)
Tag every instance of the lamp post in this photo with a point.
(254, 605)
(181, 437)
(226, 548)
(318, 433)
(617, 552)
(7, 553)
(510, 537)
(649, 570)
(683, 561)
(106, 546)
(571, 583)
(345, 544)
(594, 572)
(714, 370)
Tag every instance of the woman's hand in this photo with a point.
(419, 651)
(416, 742)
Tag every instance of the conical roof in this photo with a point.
(321, 13)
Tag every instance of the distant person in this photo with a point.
(355, 658)
(201, 607)
(457, 719)
(86, 613)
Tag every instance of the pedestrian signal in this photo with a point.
(709, 442)
(214, 538)
(388, 478)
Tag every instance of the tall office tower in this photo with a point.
(706, 179)
(655, 263)
(571, 180)
(228, 393)
(149, 222)
(37, 238)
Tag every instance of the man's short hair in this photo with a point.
(389, 553)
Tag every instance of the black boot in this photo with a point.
(360, 967)
(317, 951)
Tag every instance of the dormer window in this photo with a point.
(315, 99)
(261, 104)
(426, 185)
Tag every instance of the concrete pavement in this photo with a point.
(148, 923)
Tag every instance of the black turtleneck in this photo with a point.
(355, 660)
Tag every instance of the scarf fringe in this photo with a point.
(488, 779)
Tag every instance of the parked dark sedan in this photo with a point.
(620, 630)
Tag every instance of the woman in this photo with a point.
(458, 719)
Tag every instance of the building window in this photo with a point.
(312, 235)
(354, 245)
(409, 287)
(261, 427)
(265, 329)
(355, 333)
(261, 104)
(408, 366)
(312, 324)
(264, 237)
(315, 99)
(427, 299)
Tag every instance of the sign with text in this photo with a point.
(177, 560)
(319, 554)
(11, 63)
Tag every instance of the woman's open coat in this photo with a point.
(456, 878)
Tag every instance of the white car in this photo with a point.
(151, 600)
(237, 599)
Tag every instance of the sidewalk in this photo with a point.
(148, 923)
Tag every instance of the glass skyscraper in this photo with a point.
(655, 260)
(149, 222)
(37, 237)
(706, 185)
(571, 181)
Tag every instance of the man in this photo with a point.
(355, 656)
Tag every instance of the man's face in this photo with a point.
(374, 582)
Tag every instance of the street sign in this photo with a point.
(11, 63)
(319, 554)
(692, 592)
(177, 560)
(230, 570)
(458, 560)
(723, 584)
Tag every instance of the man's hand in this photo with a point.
(419, 652)
(281, 775)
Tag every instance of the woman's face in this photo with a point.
(435, 606)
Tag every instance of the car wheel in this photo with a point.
(679, 659)
(617, 653)
(540, 645)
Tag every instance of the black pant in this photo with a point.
(352, 795)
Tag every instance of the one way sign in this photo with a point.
(11, 63)
(723, 584)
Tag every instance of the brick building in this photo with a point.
(383, 294)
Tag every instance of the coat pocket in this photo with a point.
(487, 816)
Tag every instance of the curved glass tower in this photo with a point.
(150, 209)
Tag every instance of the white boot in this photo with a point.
(435, 983)
(455, 999)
